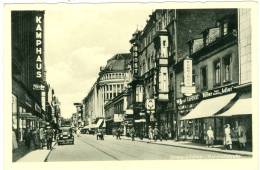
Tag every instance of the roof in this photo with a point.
(118, 62)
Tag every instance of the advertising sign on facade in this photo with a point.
(39, 70)
(187, 68)
(118, 117)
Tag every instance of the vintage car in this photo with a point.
(65, 136)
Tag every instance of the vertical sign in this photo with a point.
(135, 59)
(38, 51)
(187, 89)
(187, 67)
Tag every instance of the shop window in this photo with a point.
(217, 72)
(164, 82)
(204, 78)
(227, 68)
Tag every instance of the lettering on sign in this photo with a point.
(217, 92)
(38, 46)
(187, 66)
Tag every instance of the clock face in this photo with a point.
(150, 103)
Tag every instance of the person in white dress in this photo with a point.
(227, 137)
(210, 137)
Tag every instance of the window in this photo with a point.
(225, 28)
(217, 72)
(164, 43)
(164, 82)
(149, 62)
(204, 78)
(227, 68)
(193, 76)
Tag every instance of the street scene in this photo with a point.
(131, 84)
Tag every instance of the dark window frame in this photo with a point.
(204, 80)
(217, 82)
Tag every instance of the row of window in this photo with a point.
(112, 91)
(162, 22)
(212, 35)
(113, 76)
(221, 73)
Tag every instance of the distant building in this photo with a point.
(110, 83)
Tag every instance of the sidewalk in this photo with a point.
(191, 145)
(38, 155)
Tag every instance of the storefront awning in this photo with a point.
(100, 121)
(243, 106)
(209, 107)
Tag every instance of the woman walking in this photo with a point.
(150, 133)
(242, 136)
(210, 137)
(227, 137)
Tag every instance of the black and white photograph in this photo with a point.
(112, 82)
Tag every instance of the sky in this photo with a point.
(78, 40)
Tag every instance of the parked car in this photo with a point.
(65, 136)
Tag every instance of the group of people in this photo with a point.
(37, 138)
(155, 134)
(117, 132)
(239, 133)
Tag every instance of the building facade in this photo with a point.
(28, 75)
(33, 103)
(111, 82)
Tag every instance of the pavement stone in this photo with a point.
(190, 145)
(38, 155)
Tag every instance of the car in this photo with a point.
(65, 136)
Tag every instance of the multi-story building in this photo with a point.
(220, 96)
(116, 113)
(186, 24)
(110, 83)
(28, 70)
(149, 70)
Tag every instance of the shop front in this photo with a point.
(239, 115)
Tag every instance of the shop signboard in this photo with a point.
(187, 103)
(187, 68)
(38, 50)
(118, 117)
(218, 92)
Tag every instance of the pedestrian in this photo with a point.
(78, 132)
(210, 137)
(150, 133)
(242, 136)
(27, 137)
(37, 138)
(132, 133)
(49, 136)
(118, 133)
(227, 137)
(42, 137)
(156, 133)
(32, 139)
(99, 134)
(114, 132)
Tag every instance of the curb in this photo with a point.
(46, 158)
(203, 149)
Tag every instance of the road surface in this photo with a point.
(87, 148)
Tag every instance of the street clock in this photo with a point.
(150, 104)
